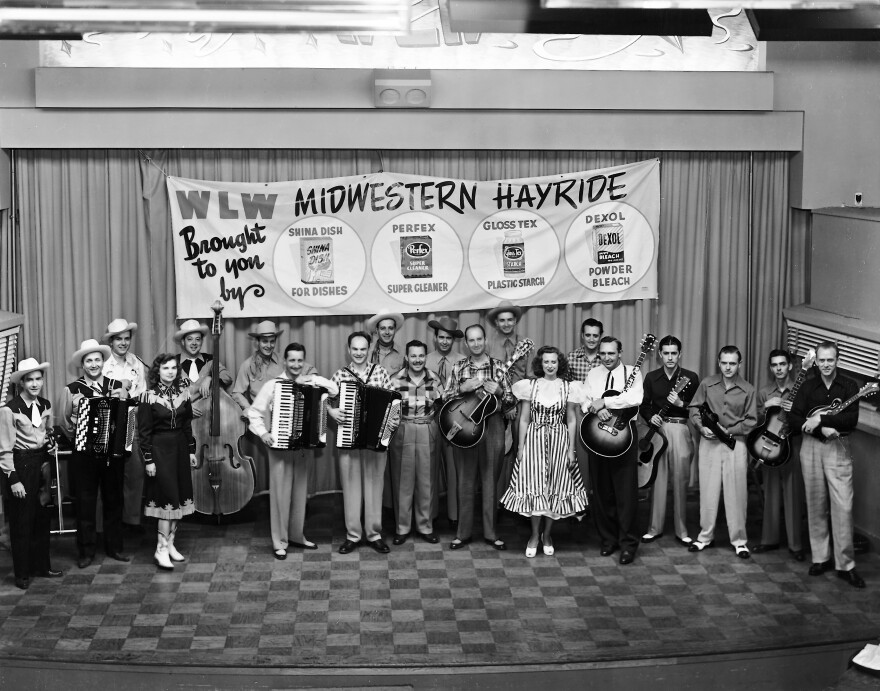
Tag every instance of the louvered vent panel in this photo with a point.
(8, 343)
(855, 354)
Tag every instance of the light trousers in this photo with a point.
(678, 456)
(362, 475)
(412, 458)
(288, 488)
(723, 469)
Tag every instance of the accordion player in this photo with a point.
(299, 416)
(373, 416)
(105, 426)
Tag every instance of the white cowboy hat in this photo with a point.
(190, 326)
(116, 327)
(382, 315)
(90, 345)
(265, 328)
(27, 366)
(504, 306)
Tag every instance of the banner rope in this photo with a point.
(153, 163)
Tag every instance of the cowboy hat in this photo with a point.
(382, 315)
(90, 345)
(447, 324)
(116, 327)
(265, 328)
(188, 327)
(504, 306)
(27, 366)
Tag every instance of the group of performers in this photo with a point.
(537, 404)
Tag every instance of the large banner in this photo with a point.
(414, 244)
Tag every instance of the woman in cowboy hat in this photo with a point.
(25, 442)
(93, 473)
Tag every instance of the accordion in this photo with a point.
(299, 416)
(105, 426)
(374, 415)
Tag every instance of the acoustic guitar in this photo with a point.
(836, 406)
(614, 437)
(654, 443)
(463, 419)
(769, 443)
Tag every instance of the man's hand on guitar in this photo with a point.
(811, 424)
(829, 432)
(707, 433)
(656, 420)
(674, 399)
(491, 387)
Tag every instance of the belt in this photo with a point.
(27, 453)
(677, 420)
(418, 420)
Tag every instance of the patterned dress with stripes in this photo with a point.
(545, 482)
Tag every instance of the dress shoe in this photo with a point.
(852, 578)
(307, 544)
(430, 537)
(119, 556)
(48, 573)
(549, 550)
(348, 546)
(380, 546)
(818, 568)
(797, 554)
(697, 546)
(626, 557)
(742, 551)
(608, 551)
(83, 562)
(531, 552)
(399, 538)
(22, 583)
(765, 548)
(279, 554)
(496, 543)
(647, 538)
(686, 540)
(459, 544)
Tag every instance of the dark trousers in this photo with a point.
(615, 498)
(486, 458)
(28, 519)
(90, 475)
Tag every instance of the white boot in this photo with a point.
(161, 555)
(172, 550)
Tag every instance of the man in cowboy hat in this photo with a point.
(24, 446)
(386, 324)
(126, 367)
(194, 364)
(441, 360)
(89, 472)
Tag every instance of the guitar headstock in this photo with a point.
(809, 359)
(681, 384)
(648, 341)
(217, 323)
(869, 389)
(522, 349)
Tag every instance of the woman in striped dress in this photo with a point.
(546, 482)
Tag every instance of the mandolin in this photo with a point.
(463, 419)
(614, 437)
(654, 443)
(223, 478)
(836, 406)
(769, 442)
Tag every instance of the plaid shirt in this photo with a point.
(419, 399)
(377, 376)
(579, 365)
(465, 369)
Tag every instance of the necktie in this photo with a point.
(508, 349)
(193, 371)
(441, 370)
(35, 416)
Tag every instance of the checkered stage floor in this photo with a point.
(232, 603)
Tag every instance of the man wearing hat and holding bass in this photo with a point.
(441, 360)
(128, 369)
(87, 471)
(386, 324)
(194, 364)
(24, 450)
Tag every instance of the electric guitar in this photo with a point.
(836, 406)
(654, 443)
(710, 420)
(463, 419)
(769, 443)
(614, 437)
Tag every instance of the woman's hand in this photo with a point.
(150, 468)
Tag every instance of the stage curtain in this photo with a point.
(8, 262)
(95, 245)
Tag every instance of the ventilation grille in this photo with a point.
(855, 355)
(8, 343)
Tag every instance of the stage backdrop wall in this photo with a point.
(94, 243)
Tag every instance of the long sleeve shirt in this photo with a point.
(658, 386)
(580, 364)
(17, 431)
(253, 373)
(261, 409)
(601, 379)
(466, 369)
(419, 397)
(813, 393)
(391, 359)
(374, 375)
(163, 409)
(736, 407)
(442, 364)
(204, 364)
(772, 390)
(131, 368)
(501, 348)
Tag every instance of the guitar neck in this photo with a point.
(801, 377)
(834, 410)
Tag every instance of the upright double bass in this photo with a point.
(223, 478)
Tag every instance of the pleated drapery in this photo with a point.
(94, 243)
